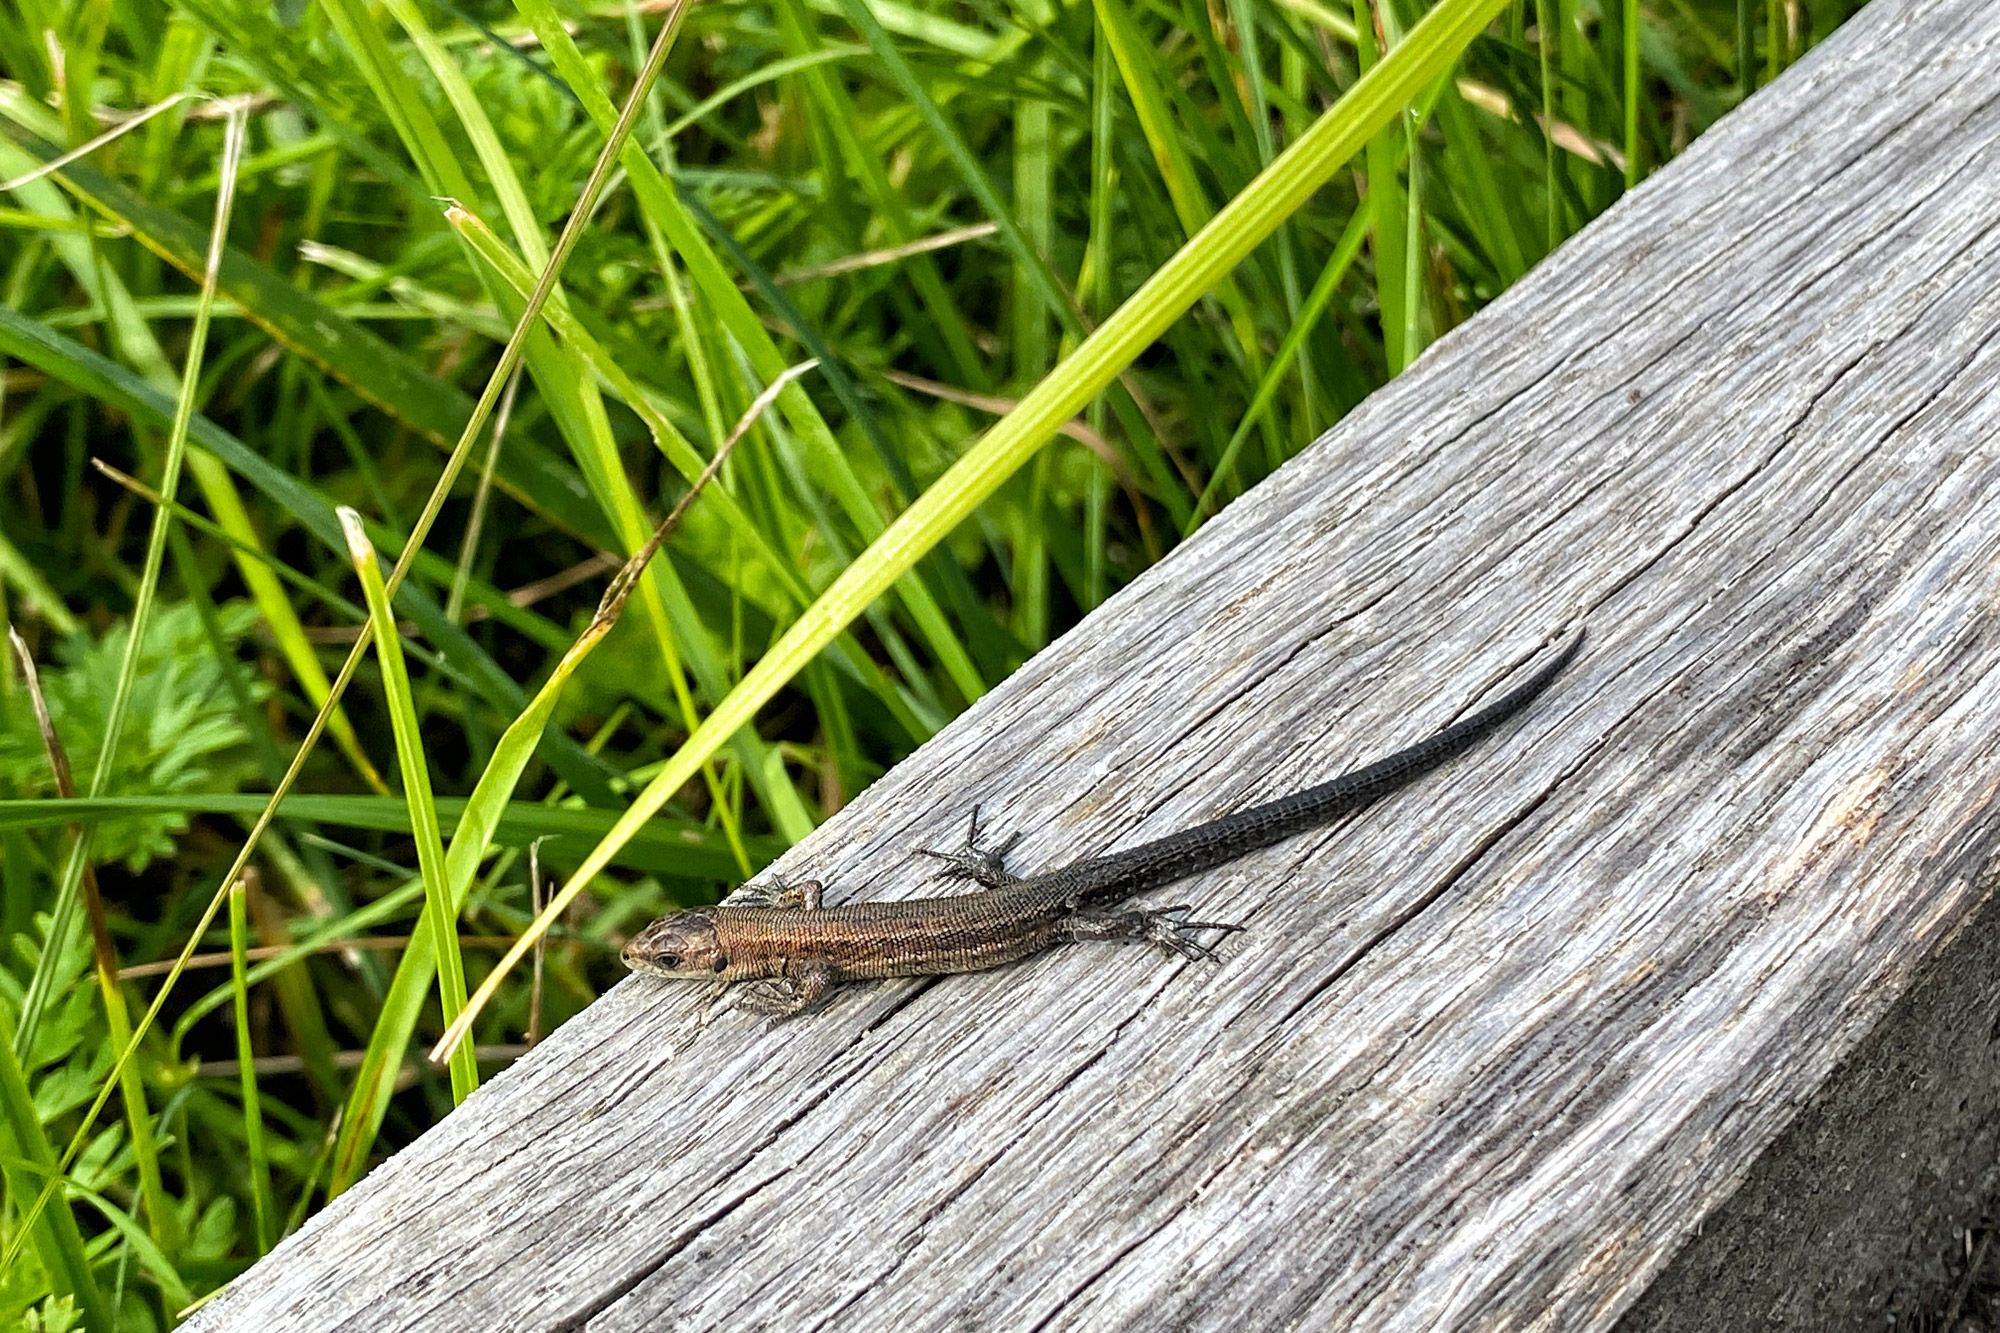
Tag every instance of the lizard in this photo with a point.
(784, 938)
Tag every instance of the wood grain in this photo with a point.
(1487, 1055)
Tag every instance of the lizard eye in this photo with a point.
(669, 961)
(721, 963)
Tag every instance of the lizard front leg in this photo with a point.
(803, 985)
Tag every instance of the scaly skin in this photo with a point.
(801, 949)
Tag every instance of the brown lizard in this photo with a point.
(785, 938)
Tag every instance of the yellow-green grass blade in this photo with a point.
(1034, 206)
(648, 403)
(1245, 15)
(831, 466)
(300, 1002)
(567, 389)
(1094, 290)
(668, 612)
(1545, 29)
(440, 912)
(369, 1098)
(1415, 302)
(472, 118)
(262, 1207)
(1423, 57)
(398, 97)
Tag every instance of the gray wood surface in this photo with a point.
(1487, 1055)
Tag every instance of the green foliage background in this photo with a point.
(937, 200)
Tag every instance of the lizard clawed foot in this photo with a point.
(972, 863)
(1167, 927)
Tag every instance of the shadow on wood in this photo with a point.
(1489, 1055)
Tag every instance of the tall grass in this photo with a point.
(1073, 275)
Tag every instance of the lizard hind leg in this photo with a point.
(1167, 927)
(976, 863)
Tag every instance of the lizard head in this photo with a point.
(682, 945)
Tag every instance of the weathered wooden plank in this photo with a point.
(1486, 1056)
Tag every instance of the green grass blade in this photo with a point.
(1414, 289)
(135, 341)
(253, 1109)
(472, 118)
(1385, 203)
(391, 906)
(440, 912)
(769, 73)
(567, 323)
(942, 317)
(832, 469)
(1631, 68)
(665, 210)
(835, 473)
(509, 358)
(151, 1257)
(1027, 259)
(1545, 37)
(1488, 210)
